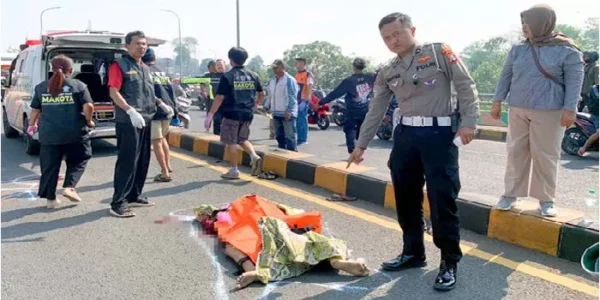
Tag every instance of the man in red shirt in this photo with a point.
(132, 90)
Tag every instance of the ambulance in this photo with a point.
(92, 52)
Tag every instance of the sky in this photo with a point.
(269, 27)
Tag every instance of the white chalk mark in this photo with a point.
(270, 287)
(219, 287)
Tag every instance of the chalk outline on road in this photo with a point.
(27, 190)
(545, 275)
(219, 286)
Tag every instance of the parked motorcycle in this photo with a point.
(184, 102)
(319, 116)
(576, 135)
(338, 112)
(386, 128)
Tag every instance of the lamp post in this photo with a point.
(180, 42)
(237, 9)
(42, 17)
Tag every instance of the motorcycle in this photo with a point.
(338, 112)
(320, 115)
(576, 135)
(386, 128)
(182, 118)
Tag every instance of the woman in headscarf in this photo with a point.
(542, 78)
(64, 108)
(273, 242)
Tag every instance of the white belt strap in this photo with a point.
(425, 121)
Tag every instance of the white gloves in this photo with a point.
(136, 118)
(167, 109)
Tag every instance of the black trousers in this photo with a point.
(76, 156)
(133, 161)
(352, 130)
(419, 155)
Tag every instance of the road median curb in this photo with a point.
(563, 236)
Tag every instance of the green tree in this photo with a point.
(485, 59)
(257, 64)
(591, 34)
(325, 60)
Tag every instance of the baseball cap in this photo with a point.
(278, 63)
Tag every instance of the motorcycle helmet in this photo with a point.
(176, 122)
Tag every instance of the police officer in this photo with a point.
(357, 88)
(64, 107)
(216, 69)
(132, 90)
(423, 152)
(238, 94)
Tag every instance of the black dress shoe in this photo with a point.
(446, 279)
(404, 262)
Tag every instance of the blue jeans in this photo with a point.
(285, 133)
(302, 122)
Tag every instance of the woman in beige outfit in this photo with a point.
(541, 81)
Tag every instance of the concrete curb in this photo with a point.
(562, 236)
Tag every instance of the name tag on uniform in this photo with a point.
(132, 72)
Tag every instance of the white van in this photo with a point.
(92, 52)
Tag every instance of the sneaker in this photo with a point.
(257, 166)
(547, 209)
(122, 213)
(231, 174)
(446, 278)
(71, 194)
(141, 202)
(52, 204)
(506, 203)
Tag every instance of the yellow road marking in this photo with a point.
(467, 250)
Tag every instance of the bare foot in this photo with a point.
(356, 268)
(246, 279)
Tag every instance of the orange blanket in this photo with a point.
(243, 233)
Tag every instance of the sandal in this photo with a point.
(160, 178)
(341, 198)
(268, 175)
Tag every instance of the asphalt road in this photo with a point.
(482, 163)
(81, 252)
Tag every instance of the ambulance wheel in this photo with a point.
(32, 147)
(9, 132)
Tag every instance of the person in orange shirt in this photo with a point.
(305, 84)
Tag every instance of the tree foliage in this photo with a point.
(185, 56)
(326, 61)
(485, 59)
(257, 64)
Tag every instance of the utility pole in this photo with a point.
(180, 42)
(42, 18)
(237, 9)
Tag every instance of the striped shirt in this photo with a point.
(523, 85)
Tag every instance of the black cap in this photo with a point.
(278, 63)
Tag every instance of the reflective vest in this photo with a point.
(201, 80)
(302, 79)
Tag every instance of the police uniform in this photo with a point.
(163, 89)
(214, 85)
(133, 158)
(62, 133)
(423, 150)
(239, 87)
